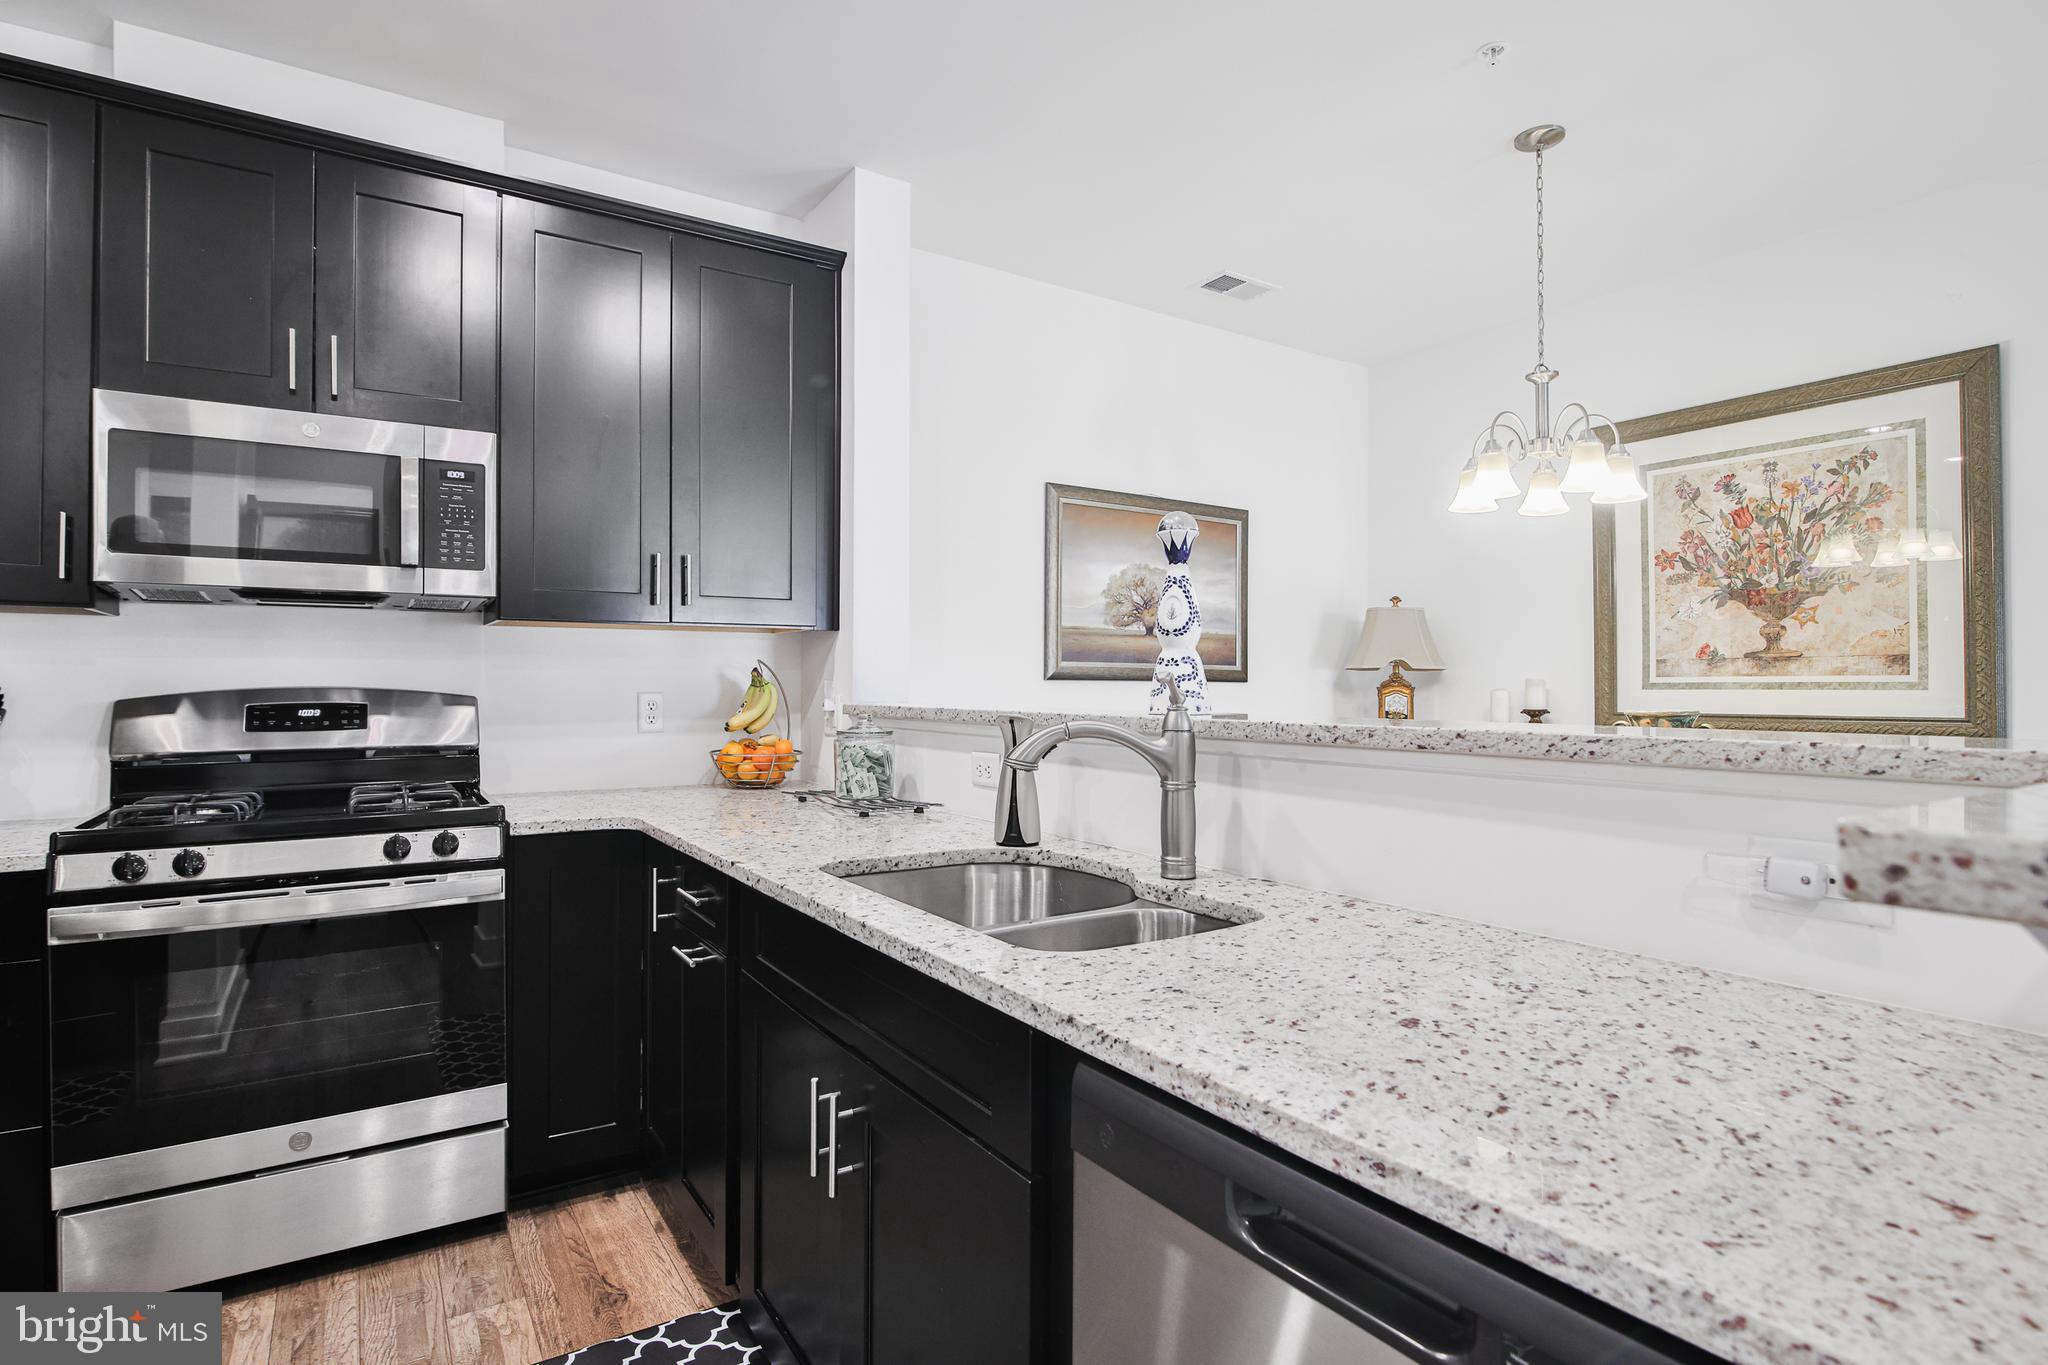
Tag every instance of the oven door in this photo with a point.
(226, 1033)
(253, 500)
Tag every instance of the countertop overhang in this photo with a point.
(1900, 758)
(1771, 1173)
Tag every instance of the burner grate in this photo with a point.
(865, 806)
(186, 808)
(399, 798)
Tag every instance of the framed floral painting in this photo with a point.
(1824, 557)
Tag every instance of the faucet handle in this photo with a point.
(1174, 701)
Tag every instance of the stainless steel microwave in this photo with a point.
(216, 502)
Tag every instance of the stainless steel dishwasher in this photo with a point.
(1194, 1244)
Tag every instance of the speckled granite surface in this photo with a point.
(1902, 758)
(1774, 1174)
(25, 844)
(1984, 855)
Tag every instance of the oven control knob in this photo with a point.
(130, 867)
(446, 845)
(189, 863)
(397, 847)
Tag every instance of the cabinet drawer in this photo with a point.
(969, 1062)
(23, 1095)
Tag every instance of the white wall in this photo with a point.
(1020, 383)
(1510, 597)
(557, 702)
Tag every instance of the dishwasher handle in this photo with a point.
(1326, 1269)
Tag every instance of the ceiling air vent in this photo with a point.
(1238, 286)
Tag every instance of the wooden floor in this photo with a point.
(551, 1278)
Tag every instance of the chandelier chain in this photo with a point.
(1539, 258)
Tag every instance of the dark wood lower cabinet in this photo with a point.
(691, 1028)
(577, 938)
(27, 1228)
(885, 1235)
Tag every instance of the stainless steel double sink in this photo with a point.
(1028, 905)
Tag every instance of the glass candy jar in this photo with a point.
(865, 765)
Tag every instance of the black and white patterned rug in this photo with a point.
(715, 1336)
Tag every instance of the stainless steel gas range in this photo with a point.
(277, 986)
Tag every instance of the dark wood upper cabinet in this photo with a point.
(755, 447)
(206, 262)
(575, 980)
(585, 446)
(406, 296)
(46, 214)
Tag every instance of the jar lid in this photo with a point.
(865, 728)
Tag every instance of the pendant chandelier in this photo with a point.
(1604, 469)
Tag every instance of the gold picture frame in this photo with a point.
(1975, 373)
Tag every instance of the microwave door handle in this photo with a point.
(409, 512)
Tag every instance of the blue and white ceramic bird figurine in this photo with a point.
(1180, 620)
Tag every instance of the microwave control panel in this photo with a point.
(457, 516)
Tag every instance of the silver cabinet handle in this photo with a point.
(655, 881)
(683, 574)
(333, 365)
(833, 1170)
(700, 899)
(654, 578)
(291, 362)
(683, 954)
(63, 547)
(813, 1144)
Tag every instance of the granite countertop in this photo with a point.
(25, 844)
(1984, 855)
(1904, 758)
(1774, 1174)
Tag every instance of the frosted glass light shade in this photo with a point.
(1495, 478)
(1621, 485)
(1942, 545)
(1543, 498)
(1840, 551)
(1587, 472)
(1888, 557)
(1913, 543)
(1469, 498)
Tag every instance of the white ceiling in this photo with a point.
(1354, 153)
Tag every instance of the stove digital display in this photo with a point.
(273, 716)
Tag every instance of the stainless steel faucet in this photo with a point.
(1172, 756)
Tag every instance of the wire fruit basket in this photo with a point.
(745, 764)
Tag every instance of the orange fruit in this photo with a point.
(783, 746)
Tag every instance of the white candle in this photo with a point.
(1497, 705)
(1535, 695)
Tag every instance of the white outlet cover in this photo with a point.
(983, 769)
(647, 710)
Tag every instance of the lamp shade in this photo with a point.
(1396, 632)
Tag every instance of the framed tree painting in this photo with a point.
(1105, 570)
(1824, 557)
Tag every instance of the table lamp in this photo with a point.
(1396, 637)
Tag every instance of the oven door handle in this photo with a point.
(238, 910)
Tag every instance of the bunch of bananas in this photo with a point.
(757, 707)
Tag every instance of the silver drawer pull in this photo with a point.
(333, 365)
(690, 961)
(655, 914)
(700, 899)
(833, 1170)
(63, 547)
(813, 1144)
(291, 363)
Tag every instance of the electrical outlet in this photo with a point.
(649, 712)
(984, 769)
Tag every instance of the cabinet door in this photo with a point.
(206, 263)
(806, 1268)
(586, 415)
(45, 346)
(406, 297)
(705, 1037)
(945, 1233)
(756, 430)
(578, 927)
